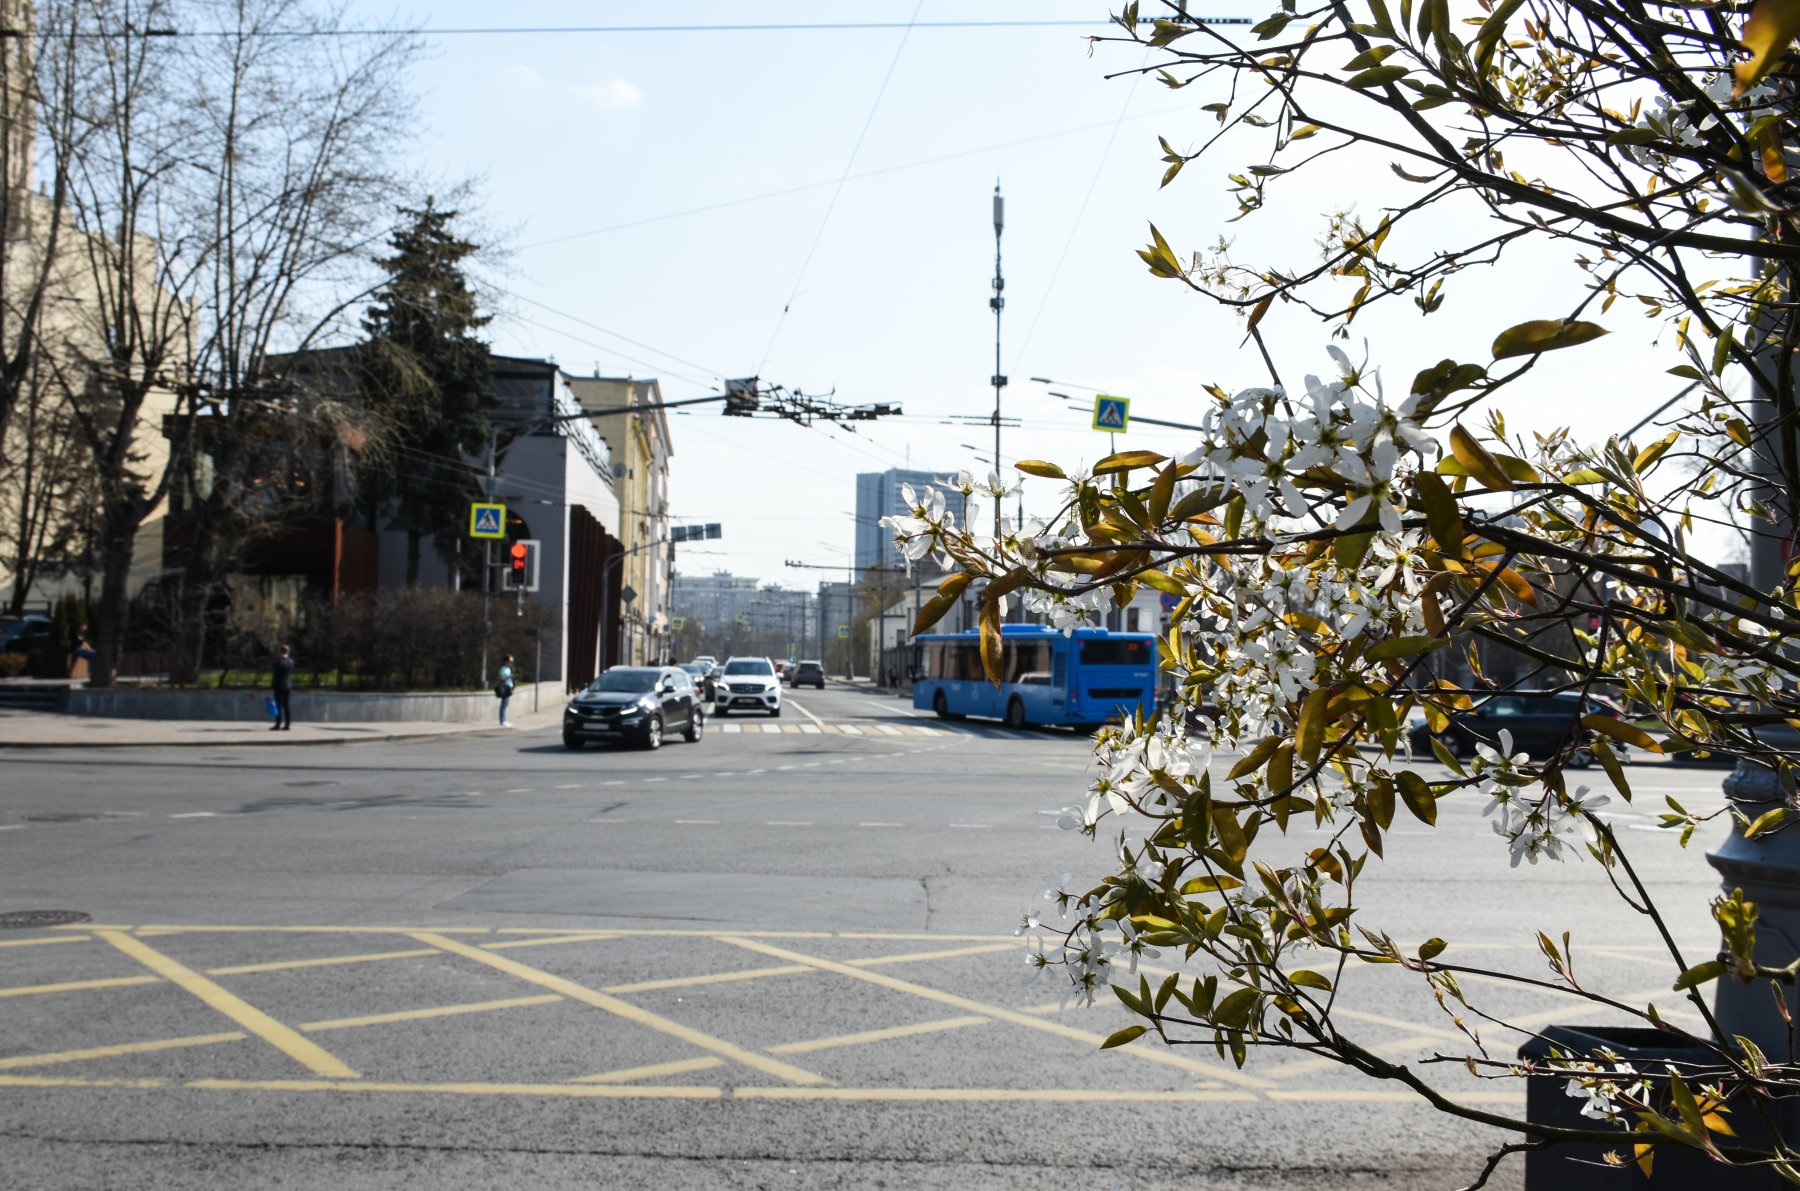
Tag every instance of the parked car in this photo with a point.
(635, 703)
(808, 674)
(23, 634)
(749, 684)
(782, 666)
(709, 659)
(702, 674)
(1541, 724)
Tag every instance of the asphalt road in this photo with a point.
(775, 958)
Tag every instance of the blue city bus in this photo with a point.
(1078, 681)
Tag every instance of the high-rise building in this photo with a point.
(878, 496)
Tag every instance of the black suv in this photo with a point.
(807, 674)
(1541, 724)
(637, 704)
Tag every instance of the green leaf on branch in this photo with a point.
(1121, 1037)
(1376, 76)
(1306, 979)
(1544, 335)
(1373, 56)
(1620, 730)
(1432, 948)
(1475, 457)
(1771, 28)
(1234, 1011)
(1403, 647)
(1767, 821)
(1700, 974)
(1200, 500)
(1309, 733)
(1124, 461)
(1037, 467)
(1442, 517)
(1159, 256)
(1418, 797)
(1253, 760)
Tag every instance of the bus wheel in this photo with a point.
(1015, 713)
(940, 705)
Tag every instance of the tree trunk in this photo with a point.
(117, 534)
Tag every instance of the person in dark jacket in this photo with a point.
(282, 687)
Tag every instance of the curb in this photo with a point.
(385, 738)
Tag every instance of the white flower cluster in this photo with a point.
(1091, 947)
(1687, 123)
(1542, 825)
(1609, 1089)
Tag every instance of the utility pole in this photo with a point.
(997, 303)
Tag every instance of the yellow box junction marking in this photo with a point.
(291, 965)
(33, 990)
(868, 1036)
(1211, 1070)
(382, 1019)
(46, 939)
(128, 1048)
(624, 1009)
(283, 1038)
(653, 1071)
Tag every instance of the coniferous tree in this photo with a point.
(427, 372)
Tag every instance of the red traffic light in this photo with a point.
(519, 550)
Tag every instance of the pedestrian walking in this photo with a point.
(282, 688)
(504, 689)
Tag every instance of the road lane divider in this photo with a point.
(653, 1071)
(223, 1001)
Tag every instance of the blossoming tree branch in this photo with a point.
(1330, 537)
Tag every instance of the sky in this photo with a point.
(814, 207)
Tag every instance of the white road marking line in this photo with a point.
(692, 777)
(780, 768)
(648, 780)
(195, 815)
(13, 827)
(570, 786)
(698, 822)
(812, 729)
(809, 715)
(983, 826)
(612, 783)
(836, 761)
(519, 790)
(772, 729)
(788, 823)
(754, 772)
(881, 824)
(849, 729)
(889, 729)
(811, 765)
(731, 727)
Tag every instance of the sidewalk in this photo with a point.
(53, 730)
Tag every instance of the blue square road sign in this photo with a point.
(1112, 414)
(487, 521)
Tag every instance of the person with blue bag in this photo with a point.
(281, 690)
(504, 688)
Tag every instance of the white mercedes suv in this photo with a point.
(748, 684)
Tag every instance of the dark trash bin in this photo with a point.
(1582, 1167)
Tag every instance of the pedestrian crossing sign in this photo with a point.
(678, 623)
(843, 630)
(1112, 414)
(487, 521)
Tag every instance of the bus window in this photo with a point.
(1103, 652)
(1028, 662)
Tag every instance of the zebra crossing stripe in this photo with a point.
(811, 729)
(731, 727)
(849, 729)
(890, 729)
